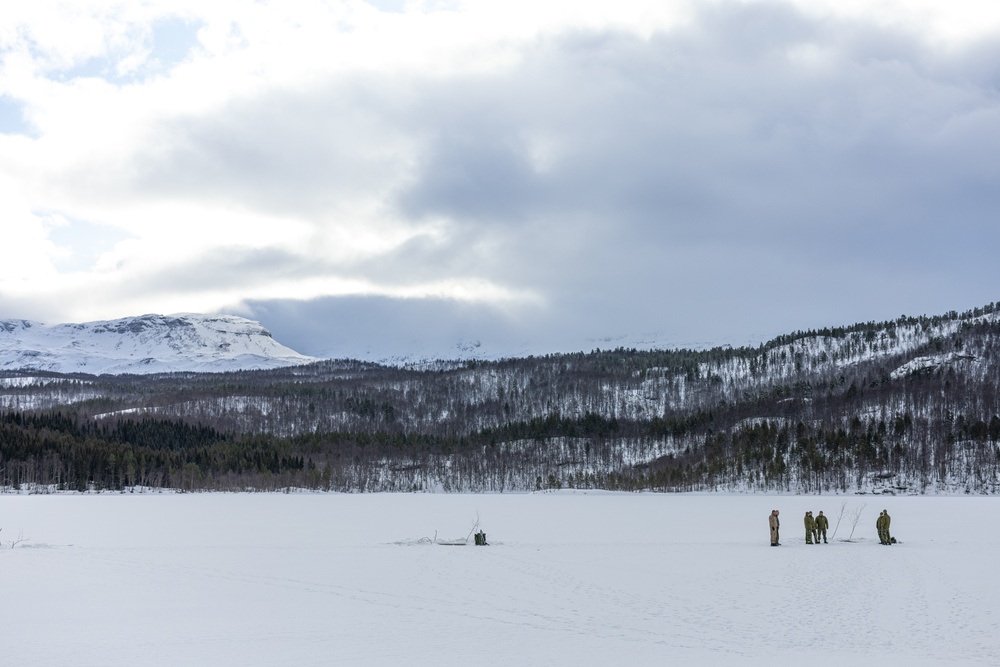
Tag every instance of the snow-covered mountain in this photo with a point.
(144, 344)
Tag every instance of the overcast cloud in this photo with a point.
(391, 178)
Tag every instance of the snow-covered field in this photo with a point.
(568, 579)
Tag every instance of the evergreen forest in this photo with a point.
(903, 406)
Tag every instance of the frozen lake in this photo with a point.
(568, 578)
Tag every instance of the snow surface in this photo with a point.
(569, 579)
(185, 342)
(931, 363)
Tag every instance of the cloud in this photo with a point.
(284, 151)
(382, 327)
(698, 171)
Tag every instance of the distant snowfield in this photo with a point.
(568, 579)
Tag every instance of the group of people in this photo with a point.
(817, 526)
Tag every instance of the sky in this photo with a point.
(393, 177)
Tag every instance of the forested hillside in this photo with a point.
(907, 406)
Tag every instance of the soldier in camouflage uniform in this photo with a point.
(880, 527)
(810, 527)
(885, 527)
(774, 524)
(822, 523)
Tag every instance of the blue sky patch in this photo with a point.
(12, 117)
(173, 40)
(169, 42)
(398, 6)
(85, 241)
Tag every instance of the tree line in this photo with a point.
(910, 404)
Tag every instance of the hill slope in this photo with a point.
(906, 406)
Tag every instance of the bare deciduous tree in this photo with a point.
(840, 517)
(20, 538)
(855, 518)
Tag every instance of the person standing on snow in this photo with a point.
(880, 527)
(810, 527)
(774, 524)
(822, 523)
(885, 527)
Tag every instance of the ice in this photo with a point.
(568, 579)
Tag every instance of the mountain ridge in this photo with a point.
(144, 344)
